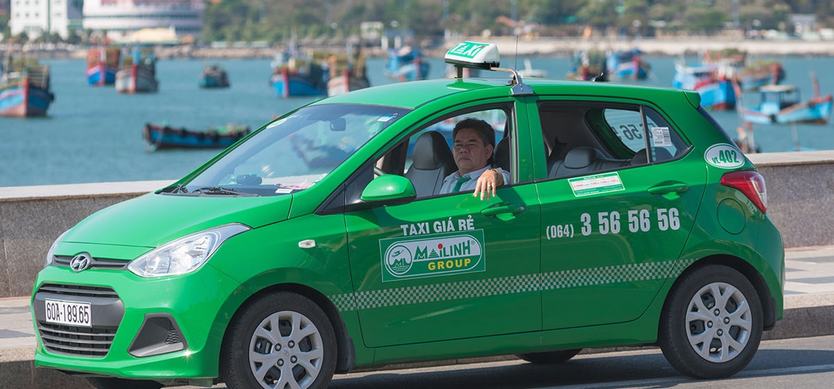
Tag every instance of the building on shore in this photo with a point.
(122, 18)
(38, 17)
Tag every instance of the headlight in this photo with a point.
(51, 253)
(184, 255)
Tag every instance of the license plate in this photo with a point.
(67, 313)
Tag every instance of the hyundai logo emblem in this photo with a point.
(80, 262)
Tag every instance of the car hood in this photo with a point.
(155, 219)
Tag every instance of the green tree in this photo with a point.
(599, 13)
(703, 19)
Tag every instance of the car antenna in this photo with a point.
(516, 49)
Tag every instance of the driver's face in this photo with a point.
(470, 152)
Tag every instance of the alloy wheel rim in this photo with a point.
(718, 322)
(286, 351)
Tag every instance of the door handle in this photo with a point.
(505, 208)
(678, 187)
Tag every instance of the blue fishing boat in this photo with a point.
(24, 88)
(627, 65)
(733, 64)
(588, 66)
(294, 74)
(214, 77)
(717, 93)
(782, 104)
(138, 73)
(102, 65)
(165, 137)
(347, 71)
(406, 64)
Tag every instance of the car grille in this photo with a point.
(97, 263)
(81, 341)
(78, 290)
(93, 342)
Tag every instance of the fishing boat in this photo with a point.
(102, 65)
(717, 92)
(733, 64)
(406, 64)
(627, 65)
(347, 72)
(166, 137)
(782, 104)
(588, 66)
(346, 82)
(138, 72)
(24, 88)
(295, 74)
(214, 76)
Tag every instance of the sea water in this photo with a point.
(93, 134)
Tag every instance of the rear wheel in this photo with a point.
(550, 357)
(712, 324)
(282, 340)
(119, 383)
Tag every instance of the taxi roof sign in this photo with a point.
(477, 55)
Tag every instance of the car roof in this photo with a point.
(410, 95)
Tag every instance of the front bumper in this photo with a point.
(193, 302)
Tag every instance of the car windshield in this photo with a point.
(294, 152)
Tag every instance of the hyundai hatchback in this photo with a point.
(323, 242)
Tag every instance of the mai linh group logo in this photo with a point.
(398, 260)
(432, 255)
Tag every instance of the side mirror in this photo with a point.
(389, 187)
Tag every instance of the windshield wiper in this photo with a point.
(219, 190)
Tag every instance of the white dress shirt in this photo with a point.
(451, 180)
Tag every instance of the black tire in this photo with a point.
(119, 383)
(550, 357)
(674, 329)
(234, 361)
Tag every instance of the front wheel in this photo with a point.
(282, 340)
(712, 323)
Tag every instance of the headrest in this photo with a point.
(580, 157)
(502, 154)
(431, 152)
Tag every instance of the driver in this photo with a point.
(474, 144)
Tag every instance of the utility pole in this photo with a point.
(48, 17)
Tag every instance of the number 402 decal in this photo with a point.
(724, 156)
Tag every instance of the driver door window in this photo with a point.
(428, 153)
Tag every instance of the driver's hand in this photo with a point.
(487, 183)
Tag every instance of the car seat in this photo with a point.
(432, 162)
(502, 154)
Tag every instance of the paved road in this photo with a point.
(799, 363)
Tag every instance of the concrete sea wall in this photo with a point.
(800, 202)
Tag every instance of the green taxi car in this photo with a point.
(322, 243)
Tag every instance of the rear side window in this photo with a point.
(627, 125)
(663, 142)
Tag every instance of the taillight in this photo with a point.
(751, 183)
